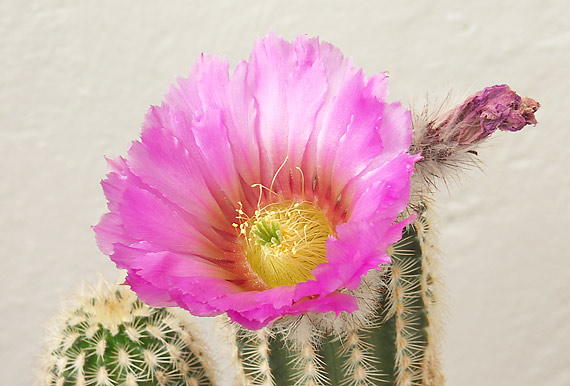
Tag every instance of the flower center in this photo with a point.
(285, 242)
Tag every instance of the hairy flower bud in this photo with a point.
(448, 141)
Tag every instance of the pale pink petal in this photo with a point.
(270, 66)
(382, 192)
(148, 292)
(163, 162)
(147, 217)
(110, 231)
(335, 302)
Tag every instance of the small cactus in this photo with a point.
(111, 338)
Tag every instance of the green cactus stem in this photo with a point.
(111, 338)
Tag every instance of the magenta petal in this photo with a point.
(205, 289)
(163, 162)
(393, 129)
(335, 302)
(270, 66)
(148, 217)
(110, 231)
(158, 267)
(148, 292)
(252, 324)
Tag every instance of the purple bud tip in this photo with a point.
(499, 107)
(480, 115)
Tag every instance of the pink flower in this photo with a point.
(266, 193)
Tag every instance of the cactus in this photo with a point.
(398, 346)
(112, 338)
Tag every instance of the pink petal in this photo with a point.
(147, 217)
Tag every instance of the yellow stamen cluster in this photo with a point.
(284, 242)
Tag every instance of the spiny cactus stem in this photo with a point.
(382, 338)
(333, 364)
(277, 357)
(410, 318)
(254, 352)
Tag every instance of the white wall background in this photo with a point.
(77, 77)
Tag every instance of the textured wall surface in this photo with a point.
(76, 78)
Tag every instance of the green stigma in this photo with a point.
(268, 234)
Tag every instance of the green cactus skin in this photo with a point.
(399, 347)
(111, 338)
(405, 308)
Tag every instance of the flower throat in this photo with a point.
(284, 242)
